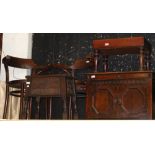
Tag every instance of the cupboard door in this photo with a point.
(136, 100)
(100, 101)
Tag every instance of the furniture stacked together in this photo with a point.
(38, 85)
(45, 81)
(120, 95)
(109, 95)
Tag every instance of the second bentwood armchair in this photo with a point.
(78, 69)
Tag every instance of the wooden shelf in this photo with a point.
(132, 45)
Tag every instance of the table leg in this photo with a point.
(50, 109)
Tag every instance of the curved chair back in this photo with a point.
(10, 61)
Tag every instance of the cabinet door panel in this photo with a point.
(135, 101)
(102, 102)
(99, 102)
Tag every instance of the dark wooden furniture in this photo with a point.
(132, 45)
(16, 87)
(119, 95)
(81, 64)
(77, 68)
(54, 85)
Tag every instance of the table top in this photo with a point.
(48, 75)
(127, 72)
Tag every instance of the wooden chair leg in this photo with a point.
(72, 107)
(25, 107)
(65, 107)
(73, 99)
(46, 109)
(29, 108)
(69, 111)
(6, 102)
(38, 107)
(21, 102)
(50, 108)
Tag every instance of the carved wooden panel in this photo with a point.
(128, 98)
(104, 97)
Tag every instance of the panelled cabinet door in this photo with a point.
(101, 101)
(129, 108)
(132, 101)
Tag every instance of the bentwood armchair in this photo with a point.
(16, 88)
(78, 69)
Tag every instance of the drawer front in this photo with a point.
(119, 76)
(118, 43)
(39, 87)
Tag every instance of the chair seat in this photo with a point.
(16, 83)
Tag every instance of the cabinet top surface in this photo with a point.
(112, 73)
(132, 44)
(120, 75)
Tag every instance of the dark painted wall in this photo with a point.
(67, 47)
